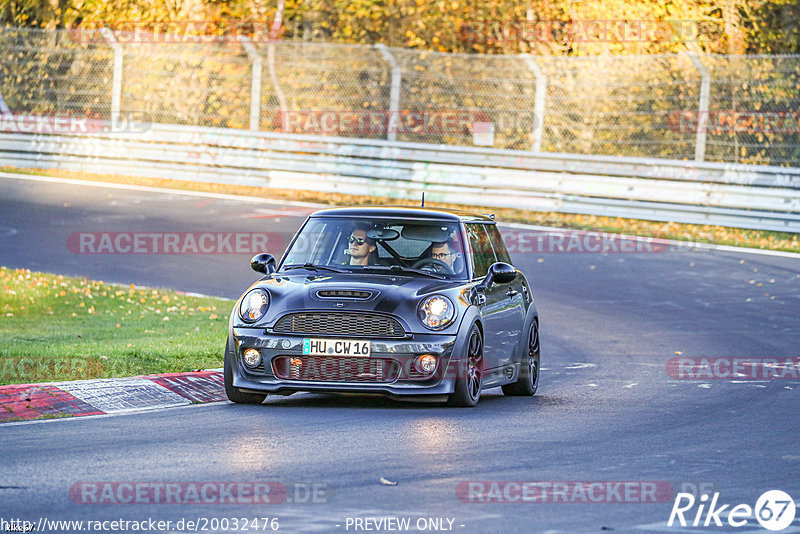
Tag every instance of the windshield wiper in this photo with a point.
(400, 268)
(313, 267)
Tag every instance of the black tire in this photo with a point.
(467, 391)
(528, 381)
(234, 393)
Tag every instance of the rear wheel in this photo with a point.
(234, 393)
(470, 372)
(528, 381)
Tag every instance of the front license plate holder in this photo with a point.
(358, 348)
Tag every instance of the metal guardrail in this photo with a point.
(758, 197)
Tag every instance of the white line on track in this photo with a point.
(116, 414)
(149, 189)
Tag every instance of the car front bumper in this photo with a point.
(399, 377)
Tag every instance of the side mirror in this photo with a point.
(263, 263)
(501, 273)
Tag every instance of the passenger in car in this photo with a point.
(361, 249)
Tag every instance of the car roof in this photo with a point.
(403, 212)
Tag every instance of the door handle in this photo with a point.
(512, 293)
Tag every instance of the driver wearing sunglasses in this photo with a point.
(360, 247)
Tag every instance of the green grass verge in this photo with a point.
(55, 416)
(57, 328)
(720, 235)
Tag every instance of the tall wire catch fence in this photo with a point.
(742, 109)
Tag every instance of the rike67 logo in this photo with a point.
(774, 510)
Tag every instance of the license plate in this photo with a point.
(336, 347)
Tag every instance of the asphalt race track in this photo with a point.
(607, 410)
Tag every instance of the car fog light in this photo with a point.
(252, 357)
(426, 363)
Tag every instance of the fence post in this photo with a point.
(255, 83)
(394, 95)
(276, 84)
(702, 108)
(116, 83)
(3, 106)
(538, 102)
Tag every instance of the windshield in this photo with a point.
(356, 244)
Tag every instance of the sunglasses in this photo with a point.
(358, 240)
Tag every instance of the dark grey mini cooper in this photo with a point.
(409, 303)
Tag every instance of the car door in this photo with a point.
(494, 310)
(514, 314)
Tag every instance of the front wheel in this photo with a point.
(467, 391)
(528, 381)
(232, 392)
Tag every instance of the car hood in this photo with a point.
(398, 295)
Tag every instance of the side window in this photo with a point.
(481, 248)
(498, 244)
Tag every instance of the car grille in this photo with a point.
(258, 369)
(343, 324)
(419, 375)
(336, 369)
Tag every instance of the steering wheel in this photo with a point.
(432, 264)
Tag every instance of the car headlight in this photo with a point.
(254, 305)
(436, 312)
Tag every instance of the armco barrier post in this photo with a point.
(702, 108)
(538, 102)
(394, 95)
(255, 83)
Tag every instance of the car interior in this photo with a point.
(397, 243)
